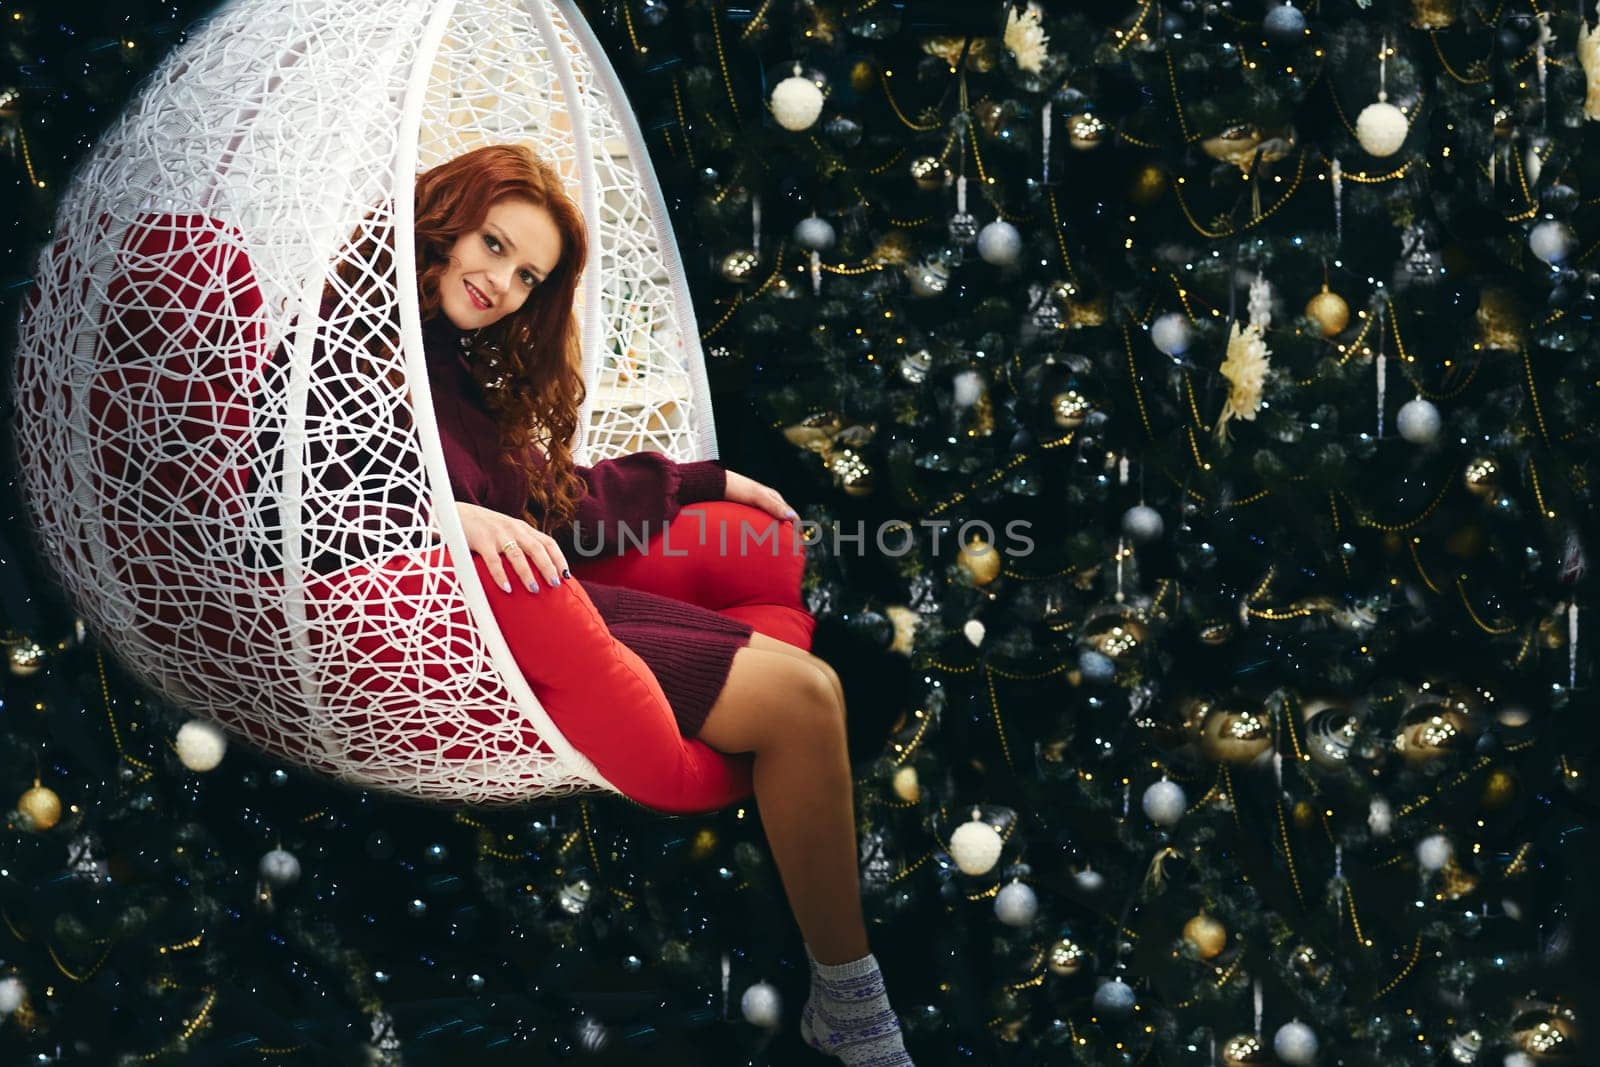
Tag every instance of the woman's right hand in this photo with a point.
(500, 539)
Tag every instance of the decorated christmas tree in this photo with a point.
(1192, 407)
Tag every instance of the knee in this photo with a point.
(816, 704)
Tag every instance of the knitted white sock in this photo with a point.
(848, 1015)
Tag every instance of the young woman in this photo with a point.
(499, 250)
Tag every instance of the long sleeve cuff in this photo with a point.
(701, 480)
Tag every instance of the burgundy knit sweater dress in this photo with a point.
(688, 648)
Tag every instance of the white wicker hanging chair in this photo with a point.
(197, 239)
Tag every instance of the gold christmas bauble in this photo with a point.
(929, 173)
(1067, 957)
(1149, 182)
(1480, 475)
(1331, 730)
(1086, 311)
(1207, 935)
(1243, 1050)
(704, 843)
(1499, 789)
(1433, 14)
(906, 786)
(1329, 311)
(1215, 632)
(1236, 145)
(1454, 882)
(1431, 730)
(25, 658)
(863, 76)
(1235, 736)
(852, 472)
(40, 806)
(1304, 814)
(1115, 631)
(1086, 132)
(980, 560)
(1069, 409)
(1548, 1033)
(894, 249)
(740, 265)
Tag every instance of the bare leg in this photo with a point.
(787, 710)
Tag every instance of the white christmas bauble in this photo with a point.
(1380, 817)
(1434, 851)
(1418, 421)
(762, 1005)
(1114, 998)
(1551, 241)
(814, 234)
(796, 103)
(968, 389)
(280, 868)
(1518, 1059)
(1016, 904)
(1089, 880)
(906, 786)
(1296, 1044)
(974, 632)
(201, 745)
(1164, 802)
(12, 992)
(975, 846)
(1143, 523)
(999, 243)
(1381, 128)
(1171, 333)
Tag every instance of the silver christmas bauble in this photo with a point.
(593, 1036)
(1096, 666)
(1418, 421)
(1434, 851)
(762, 1005)
(1143, 523)
(1114, 999)
(1296, 1044)
(963, 228)
(1164, 802)
(814, 234)
(280, 868)
(12, 994)
(1551, 240)
(1171, 333)
(740, 266)
(928, 278)
(1381, 128)
(999, 243)
(1016, 904)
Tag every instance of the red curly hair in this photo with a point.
(537, 403)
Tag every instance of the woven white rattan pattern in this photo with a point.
(248, 506)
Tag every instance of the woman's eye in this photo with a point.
(527, 278)
(492, 241)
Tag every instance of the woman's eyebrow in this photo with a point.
(513, 246)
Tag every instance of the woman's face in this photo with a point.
(494, 267)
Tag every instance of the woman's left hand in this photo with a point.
(749, 491)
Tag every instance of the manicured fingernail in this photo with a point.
(533, 585)
(566, 574)
(789, 514)
(506, 586)
(555, 581)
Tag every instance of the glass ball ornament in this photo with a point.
(1329, 311)
(1143, 523)
(914, 367)
(1096, 668)
(574, 896)
(1381, 129)
(25, 658)
(963, 228)
(40, 807)
(739, 266)
(814, 234)
(762, 1005)
(1069, 408)
(842, 130)
(1115, 631)
(279, 868)
(12, 994)
(975, 845)
(1418, 421)
(979, 560)
(1164, 802)
(929, 278)
(1284, 24)
(1435, 726)
(1016, 904)
(796, 103)
(1331, 732)
(1066, 958)
(1551, 240)
(1207, 934)
(1088, 880)
(1547, 1033)
(1114, 999)
(1172, 334)
(999, 243)
(593, 1036)
(929, 173)
(1235, 735)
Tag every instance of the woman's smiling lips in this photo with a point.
(478, 299)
